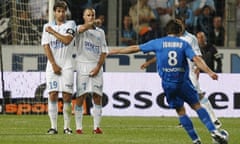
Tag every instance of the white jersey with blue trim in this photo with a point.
(192, 40)
(90, 44)
(59, 49)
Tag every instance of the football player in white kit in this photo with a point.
(57, 40)
(194, 74)
(91, 53)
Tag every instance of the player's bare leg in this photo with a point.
(79, 113)
(53, 111)
(67, 112)
(97, 113)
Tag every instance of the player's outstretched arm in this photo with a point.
(88, 25)
(203, 66)
(147, 63)
(127, 50)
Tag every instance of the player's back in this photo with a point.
(172, 59)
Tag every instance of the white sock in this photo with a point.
(206, 104)
(78, 117)
(67, 111)
(97, 115)
(53, 113)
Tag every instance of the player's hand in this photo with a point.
(213, 75)
(57, 69)
(94, 71)
(144, 66)
(97, 22)
(197, 72)
(49, 30)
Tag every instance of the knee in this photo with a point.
(97, 99)
(67, 97)
(53, 96)
(181, 111)
(196, 106)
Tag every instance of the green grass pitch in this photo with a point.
(31, 129)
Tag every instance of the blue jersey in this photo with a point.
(172, 54)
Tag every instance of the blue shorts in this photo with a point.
(178, 93)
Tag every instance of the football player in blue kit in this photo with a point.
(172, 53)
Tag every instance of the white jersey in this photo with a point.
(90, 44)
(62, 53)
(192, 40)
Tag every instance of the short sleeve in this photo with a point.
(45, 36)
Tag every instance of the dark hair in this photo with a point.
(175, 27)
(60, 4)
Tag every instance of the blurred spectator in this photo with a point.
(217, 36)
(154, 4)
(197, 5)
(77, 7)
(126, 4)
(101, 22)
(153, 33)
(38, 12)
(205, 21)
(163, 9)
(141, 15)
(128, 35)
(209, 53)
(238, 22)
(27, 32)
(38, 9)
(5, 29)
(184, 12)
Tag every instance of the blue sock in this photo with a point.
(205, 118)
(188, 126)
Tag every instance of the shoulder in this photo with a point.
(189, 37)
(49, 24)
(52, 24)
(71, 22)
(100, 30)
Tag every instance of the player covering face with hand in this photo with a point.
(171, 54)
(91, 53)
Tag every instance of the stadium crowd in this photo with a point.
(146, 18)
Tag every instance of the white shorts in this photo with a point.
(87, 84)
(60, 83)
